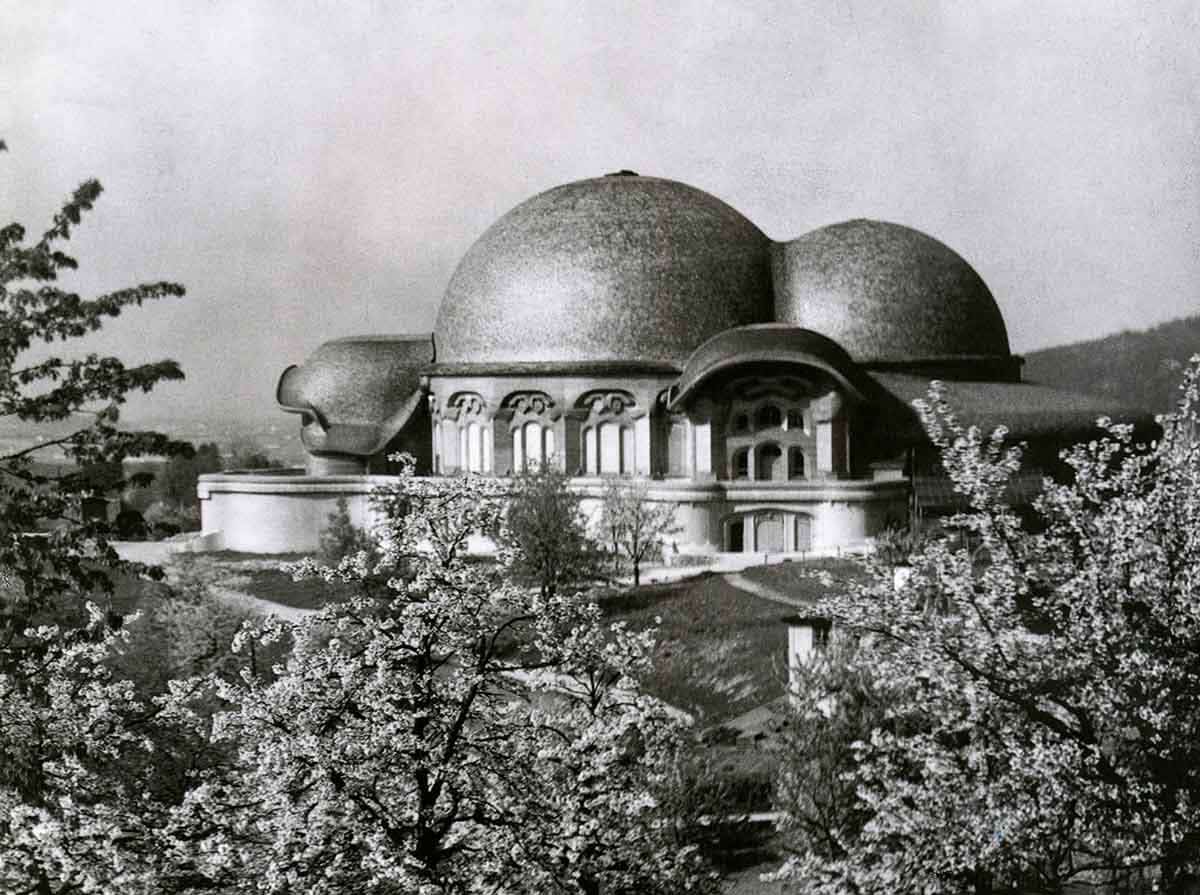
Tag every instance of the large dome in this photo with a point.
(617, 268)
(887, 293)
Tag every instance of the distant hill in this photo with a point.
(1140, 368)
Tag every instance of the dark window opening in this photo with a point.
(795, 463)
(767, 460)
(741, 464)
(769, 417)
(737, 536)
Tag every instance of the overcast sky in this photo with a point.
(312, 170)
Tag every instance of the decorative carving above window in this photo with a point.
(608, 403)
(531, 404)
(787, 388)
(465, 404)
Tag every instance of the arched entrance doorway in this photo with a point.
(768, 530)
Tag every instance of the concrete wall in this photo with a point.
(284, 512)
(287, 512)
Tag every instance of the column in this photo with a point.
(502, 446)
(641, 437)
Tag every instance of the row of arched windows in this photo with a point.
(767, 417)
(609, 449)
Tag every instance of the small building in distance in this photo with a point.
(628, 326)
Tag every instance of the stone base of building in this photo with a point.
(286, 511)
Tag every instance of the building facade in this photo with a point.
(628, 326)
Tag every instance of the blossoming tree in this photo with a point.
(1040, 684)
(73, 816)
(458, 733)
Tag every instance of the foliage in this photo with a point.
(1049, 679)
(74, 809)
(635, 526)
(176, 481)
(834, 704)
(71, 814)
(547, 533)
(342, 538)
(458, 733)
(894, 545)
(34, 308)
(245, 453)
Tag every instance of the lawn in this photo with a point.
(721, 651)
(260, 575)
(796, 579)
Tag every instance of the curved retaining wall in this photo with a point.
(281, 512)
(286, 511)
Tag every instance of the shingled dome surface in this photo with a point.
(886, 292)
(355, 393)
(618, 268)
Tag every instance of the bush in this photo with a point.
(342, 538)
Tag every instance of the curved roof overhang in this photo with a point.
(775, 344)
(1026, 410)
(356, 394)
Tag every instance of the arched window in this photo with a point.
(741, 423)
(477, 447)
(740, 465)
(795, 463)
(531, 428)
(768, 417)
(468, 429)
(795, 420)
(610, 449)
(767, 460)
(609, 439)
(533, 444)
(590, 456)
(518, 448)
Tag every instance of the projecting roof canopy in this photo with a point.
(1026, 410)
(773, 344)
(356, 393)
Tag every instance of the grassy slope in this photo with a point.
(721, 651)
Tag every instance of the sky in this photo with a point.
(313, 170)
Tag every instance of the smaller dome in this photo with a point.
(887, 293)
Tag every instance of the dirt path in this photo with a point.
(741, 582)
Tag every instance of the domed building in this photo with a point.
(629, 326)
